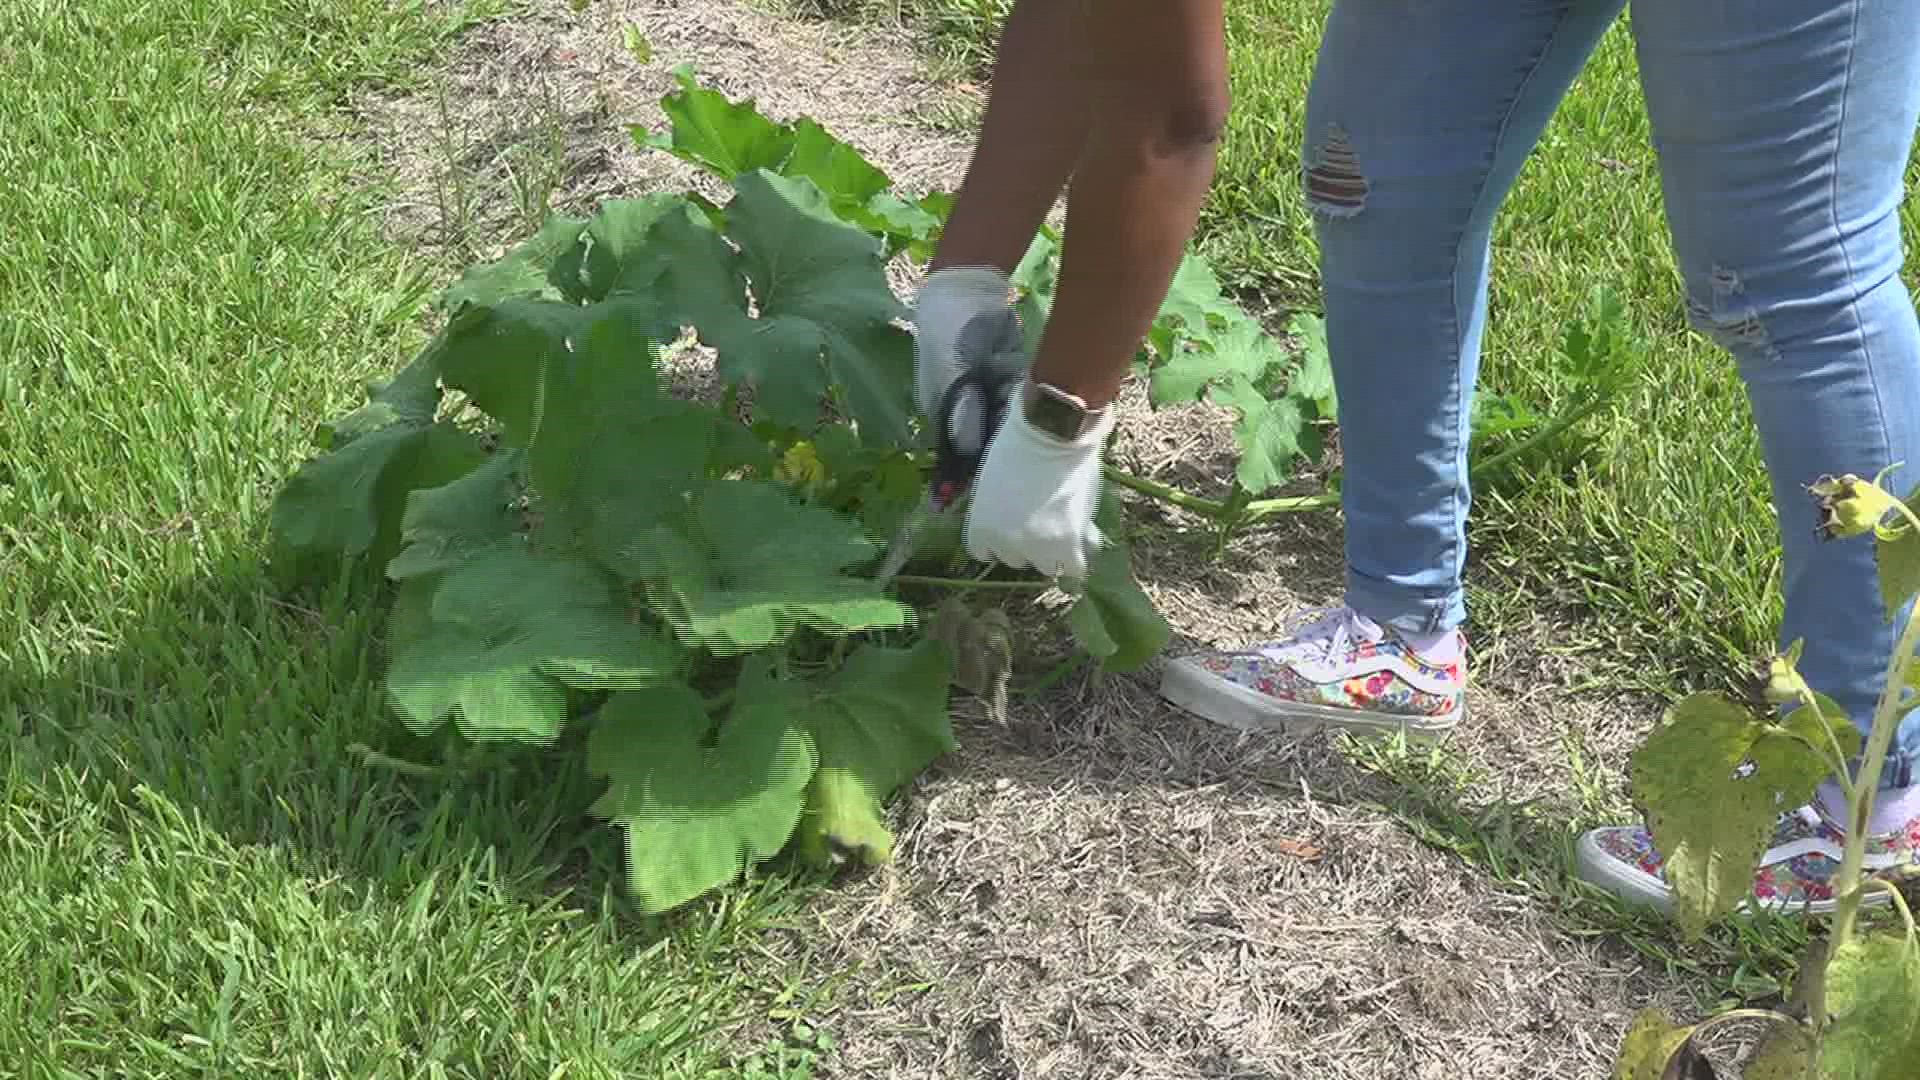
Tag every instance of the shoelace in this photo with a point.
(1323, 634)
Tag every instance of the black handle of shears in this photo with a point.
(957, 458)
(992, 346)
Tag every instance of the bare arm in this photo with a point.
(1128, 97)
(1159, 98)
(1036, 125)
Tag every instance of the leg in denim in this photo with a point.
(1784, 132)
(1418, 121)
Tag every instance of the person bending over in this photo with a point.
(1782, 129)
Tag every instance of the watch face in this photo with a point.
(1057, 417)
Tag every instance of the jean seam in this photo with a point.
(1840, 237)
(1901, 759)
(1456, 545)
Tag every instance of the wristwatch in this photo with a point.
(1058, 413)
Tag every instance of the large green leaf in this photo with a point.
(616, 235)
(496, 354)
(1244, 351)
(695, 817)
(1873, 993)
(1035, 277)
(506, 355)
(824, 316)
(877, 722)
(1190, 336)
(503, 632)
(687, 267)
(857, 190)
(872, 370)
(884, 714)
(1194, 298)
(883, 485)
(614, 455)
(748, 564)
(835, 167)
(446, 525)
(411, 397)
(1113, 619)
(527, 270)
(1897, 553)
(1712, 778)
(609, 452)
(724, 137)
(729, 138)
(348, 503)
(1314, 382)
(824, 309)
(1273, 433)
(909, 226)
(1655, 1048)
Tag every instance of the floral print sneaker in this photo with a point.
(1796, 873)
(1335, 668)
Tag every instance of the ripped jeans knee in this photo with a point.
(1727, 315)
(1331, 177)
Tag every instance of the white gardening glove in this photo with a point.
(948, 300)
(1034, 502)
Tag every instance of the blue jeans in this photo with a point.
(1783, 129)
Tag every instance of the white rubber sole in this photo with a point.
(1594, 866)
(1185, 683)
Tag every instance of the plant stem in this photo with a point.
(1058, 672)
(1165, 494)
(970, 583)
(1554, 427)
(1214, 508)
(1297, 504)
(1885, 718)
(1837, 760)
(375, 759)
(1768, 1015)
(1899, 902)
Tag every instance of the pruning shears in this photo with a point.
(992, 351)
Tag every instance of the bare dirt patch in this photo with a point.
(1109, 888)
(1105, 887)
(541, 105)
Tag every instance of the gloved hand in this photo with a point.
(948, 300)
(1034, 502)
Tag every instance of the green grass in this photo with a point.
(1664, 532)
(201, 877)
